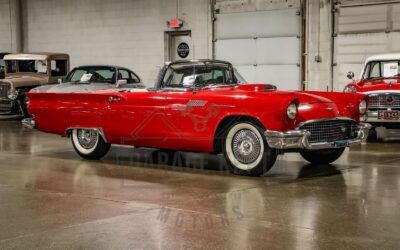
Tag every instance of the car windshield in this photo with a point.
(382, 69)
(187, 75)
(239, 78)
(26, 66)
(2, 64)
(99, 74)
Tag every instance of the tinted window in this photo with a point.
(375, 70)
(26, 66)
(382, 69)
(127, 75)
(100, 74)
(366, 72)
(58, 67)
(11, 66)
(135, 78)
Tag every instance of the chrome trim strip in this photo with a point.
(378, 92)
(372, 116)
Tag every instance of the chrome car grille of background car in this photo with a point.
(330, 130)
(5, 106)
(385, 100)
(5, 103)
(4, 88)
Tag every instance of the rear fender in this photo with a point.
(58, 112)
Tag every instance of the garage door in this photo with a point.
(264, 45)
(362, 31)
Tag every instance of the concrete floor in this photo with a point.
(50, 198)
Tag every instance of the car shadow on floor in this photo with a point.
(199, 162)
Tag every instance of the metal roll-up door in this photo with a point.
(363, 30)
(264, 46)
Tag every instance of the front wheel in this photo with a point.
(24, 107)
(323, 156)
(89, 144)
(246, 150)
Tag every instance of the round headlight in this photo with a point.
(350, 89)
(362, 108)
(292, 111)
(12, 94)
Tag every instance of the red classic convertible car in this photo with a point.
(380, 80)
(203, 106)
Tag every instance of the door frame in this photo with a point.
(168, 36)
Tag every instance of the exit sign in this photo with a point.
(175, 23)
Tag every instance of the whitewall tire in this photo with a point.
(89, 144)
(247, 151)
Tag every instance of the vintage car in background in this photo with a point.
(2, 65)
(200, 106)
(26, 71)
(94, 77)
(380, 80)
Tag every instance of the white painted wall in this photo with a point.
(9, 26)
(319, 22)
(129, 33)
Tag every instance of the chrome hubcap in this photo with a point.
(246, 146)
(87, 138)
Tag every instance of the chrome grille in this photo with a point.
(5, 103)
(331, 130)
(5, 106)
(4, 88)
(385, 100)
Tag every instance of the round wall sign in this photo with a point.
(183, 50)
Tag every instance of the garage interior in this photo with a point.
(135, 198)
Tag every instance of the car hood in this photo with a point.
(24, 80)
(378, 85)
(267, 89)
(76, 87)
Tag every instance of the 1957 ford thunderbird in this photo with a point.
(203, 106)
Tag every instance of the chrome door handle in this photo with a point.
(113, 99)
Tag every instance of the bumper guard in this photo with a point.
(299, 139)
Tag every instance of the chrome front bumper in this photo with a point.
(372, 116)
(29, 123)
(299, 139)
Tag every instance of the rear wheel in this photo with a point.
(89, 144)
(246, 150)
(323, 156)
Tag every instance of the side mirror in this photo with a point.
(59, 80)
(350, 75)
(121, 82)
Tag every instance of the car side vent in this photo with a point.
(269, 87)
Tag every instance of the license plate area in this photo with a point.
(389, 115)
(341, 144)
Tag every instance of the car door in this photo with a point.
(192, 116)
(136, 118)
